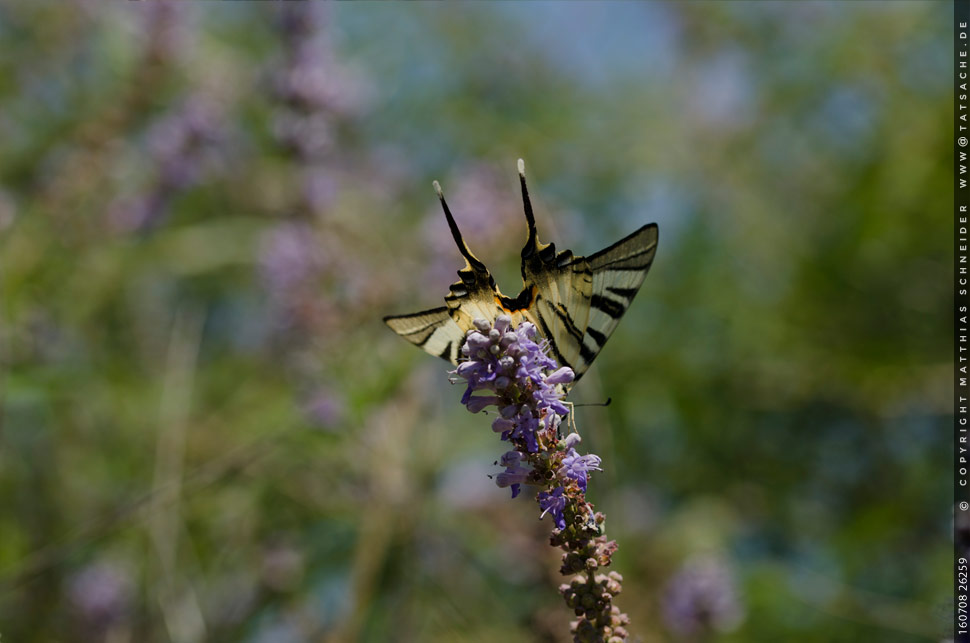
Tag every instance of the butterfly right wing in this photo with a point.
(618, 271)
(562, 287)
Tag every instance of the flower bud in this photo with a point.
(501, 425)
(562, 375)
(466, 369)
(479, 402)
(510, 458)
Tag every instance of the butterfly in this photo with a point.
(574, 302)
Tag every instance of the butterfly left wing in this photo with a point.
(441, 331)
(433, 331)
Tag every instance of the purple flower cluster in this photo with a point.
(184, 147)
(505, 367)
(513, 366)
(311, 86)
(702, 597)
(101, 596)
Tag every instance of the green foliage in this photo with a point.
(207, 433)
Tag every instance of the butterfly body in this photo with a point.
(574, 302)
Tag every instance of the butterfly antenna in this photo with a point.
(608, 401)
(456, 233)
(532, 243)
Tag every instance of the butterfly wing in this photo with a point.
(575, 302)
(617, 273)
(441, 331)
(562, 285)
(432, 330)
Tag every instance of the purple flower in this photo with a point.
(325, 408)
(314, 90)
(702, 596)
(527, 382)
(184, 146)
(513, 476)
(563, 375)
(289, 257)
(527, 387)
(526, 426)
(503, 425)
(577, 466)
(510, 458)
(101, 594)
(554, 504)
(478, 402)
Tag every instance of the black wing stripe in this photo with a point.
(424, 340)
(423, 313)
(586, 354)
(648, 250)
(625, 293)
(567, 321)
(642, 268)
(446, 353)
(648, 231)
(596, 336)
(432, 325)
(552, 344)
(608, 306)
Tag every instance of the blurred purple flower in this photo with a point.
(101, 594)
(313, 80)
(325, 408)
(166, 29)
(702, 597)
(489, 215)
(289, 257)
(311, 85)
(319, 187)
(293, 265)
(308, 135)
(183, 149)
(180, 143)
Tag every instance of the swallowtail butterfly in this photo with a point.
(574, 302)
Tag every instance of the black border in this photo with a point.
(961, 309)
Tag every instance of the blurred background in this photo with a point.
(205, 210)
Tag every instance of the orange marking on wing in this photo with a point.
(532, 298)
